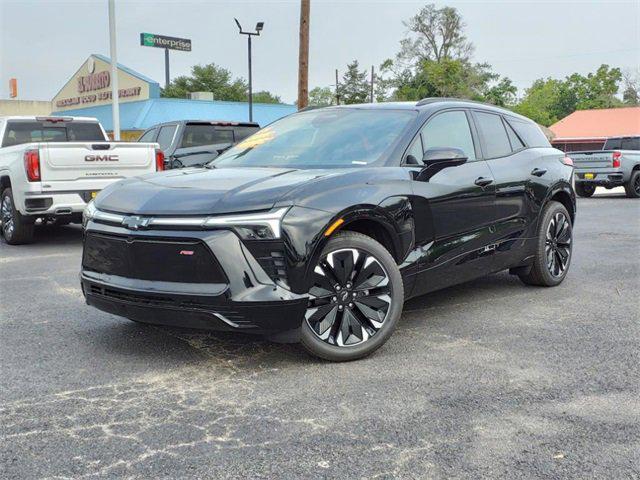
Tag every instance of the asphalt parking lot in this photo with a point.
(487, 379)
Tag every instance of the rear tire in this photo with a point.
(553, 249)
(355, 301)
(17, 229)
(632, 187)
(585, 189)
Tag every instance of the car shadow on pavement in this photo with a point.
(247, 351)
(57, 235)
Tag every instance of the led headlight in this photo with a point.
(88, 213)
(252, 226)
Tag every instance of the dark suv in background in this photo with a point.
(190, 143)
(319, 226)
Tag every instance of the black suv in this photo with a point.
(319, 226)
(191, 143)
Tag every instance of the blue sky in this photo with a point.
(42, 43)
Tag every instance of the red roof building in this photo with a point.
(588, 129)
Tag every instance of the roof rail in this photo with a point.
(428, 100)
(312, 107)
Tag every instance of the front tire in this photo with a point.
(16, 228)
(355, 300)
(632, 187)
(553, 249)
(585, 189)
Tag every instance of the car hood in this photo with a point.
(201, 191)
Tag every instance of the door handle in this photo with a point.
(483, 181)
(538, 172)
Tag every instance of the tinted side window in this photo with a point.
(529, 132)
(197, 135)
(148, 136)
(612, 144)
(516, 143)
(631, 143)
(495, 141)
(449, 129)
(166, 136)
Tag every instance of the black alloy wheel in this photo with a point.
(355, 299)
(632, 188)
(553, 247)
(558, 244)
(8, 224)
(16, 228)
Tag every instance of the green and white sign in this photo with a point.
(161, 41)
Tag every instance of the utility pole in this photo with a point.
(372, 77)
(115, 106)
(337, 89)
(303, 56)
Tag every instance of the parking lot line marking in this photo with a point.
(34, 257)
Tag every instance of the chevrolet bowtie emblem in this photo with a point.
(135, 222)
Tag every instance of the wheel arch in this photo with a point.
(563, 193)
(374, 221)
(5, 182)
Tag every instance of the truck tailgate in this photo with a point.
(592, 160)
(72, 161)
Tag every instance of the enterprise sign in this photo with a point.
(160, 41)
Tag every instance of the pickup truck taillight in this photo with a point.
(32, 165)
(567, 161)
(616, 159)
(159, 160)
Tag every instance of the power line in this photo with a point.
(549, 57)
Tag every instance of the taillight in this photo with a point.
(32, 165)
(159, 160)
(567, 161)
(616, 159)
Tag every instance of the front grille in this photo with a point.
(163, 260)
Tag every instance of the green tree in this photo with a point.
(266, 97)
(208, 78)
(502, 93)
(549, 100)
(321, 97)
(436, 34)
(218, 80)
(434, 61)
(354, 87)
(596, 90)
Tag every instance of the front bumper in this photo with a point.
(244, 298)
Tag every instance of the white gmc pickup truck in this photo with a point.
(51, 167)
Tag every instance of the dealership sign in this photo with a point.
(160, 41)
(91, 86)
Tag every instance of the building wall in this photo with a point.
(24, 107)
(90, 86)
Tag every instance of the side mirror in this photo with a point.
(439, 158)
(451, 155)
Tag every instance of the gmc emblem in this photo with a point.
(101, 158)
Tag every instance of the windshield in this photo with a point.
(334, 137)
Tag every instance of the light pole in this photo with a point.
(259, 27)
(115, 106)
